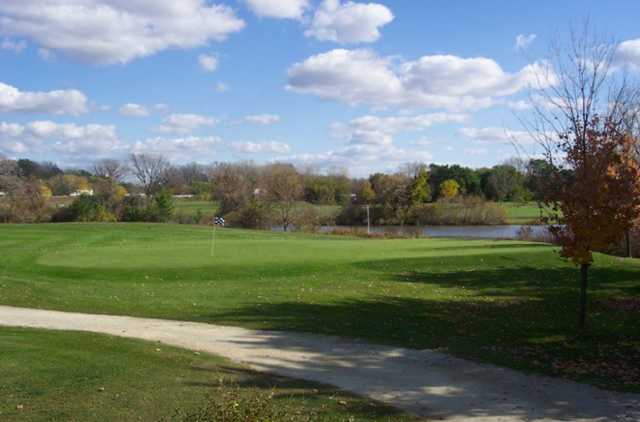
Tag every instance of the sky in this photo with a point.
(328, 84)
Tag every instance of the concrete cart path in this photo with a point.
(427, 383)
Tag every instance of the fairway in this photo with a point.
(522, 213)
(510, 303)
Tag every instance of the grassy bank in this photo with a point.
(193, 207)
(70, 376)
(522, 213)
(510, 303)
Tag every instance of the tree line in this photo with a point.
(251, 194)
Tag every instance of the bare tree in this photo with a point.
(109, 168)
(413, 169)
(233, 185)
(580, 82)
(585, 111)
(281, 185)
(150, 170)
(8, 167)
(193, 173)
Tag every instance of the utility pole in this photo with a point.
(368, 221)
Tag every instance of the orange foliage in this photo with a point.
(599, 196)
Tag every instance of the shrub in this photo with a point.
(385, 234)
(85, 209)
(352, 215)
(463, 211)
(134, 209)
(307, 219)
(25, 203)
(528, 233)
(254, 215)
(162, 208)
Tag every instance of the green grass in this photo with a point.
(70, 376)
(507, 302)
(188, 206)
(193, 206)
(522, 213)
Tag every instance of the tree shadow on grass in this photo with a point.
(506, 277)
(521, 317)
(434, 383)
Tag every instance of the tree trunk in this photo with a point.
(584, 270)
(627, 240)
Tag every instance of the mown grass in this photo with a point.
(71, 376)
(522, 213)
(191, 207)
(194, 206)
(507, 302)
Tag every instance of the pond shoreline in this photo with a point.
(503, 231)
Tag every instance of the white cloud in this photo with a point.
(73, 144)
(46, 138)
(55, 102)
(260, 148)
(476, 151)
(15, 46)
(262, 119)
(523, 41)
(180, 150)
(221, 87)
(628, 55)
(282, 9)
(161, 107)
(46, 55)
(208, 62)
(134, 110)
(12, 130)
(117, 31)
(361, 160)
(449, 82)
(185, 123)
(373, 130)
(497, 135)
(348, 22)
(519, 105)
(369, 143)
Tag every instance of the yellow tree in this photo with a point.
(449, 189)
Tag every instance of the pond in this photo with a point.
(481, 232)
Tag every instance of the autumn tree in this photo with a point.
(364, 192)
(281, 186)
(581, 105)
(26, 201)
(66, 184)
(449, 189)
(150, 170)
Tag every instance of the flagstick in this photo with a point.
(213, 240)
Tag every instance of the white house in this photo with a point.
(80, 192)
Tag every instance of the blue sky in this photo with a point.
(328, 84)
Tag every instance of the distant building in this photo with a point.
(81, 192)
